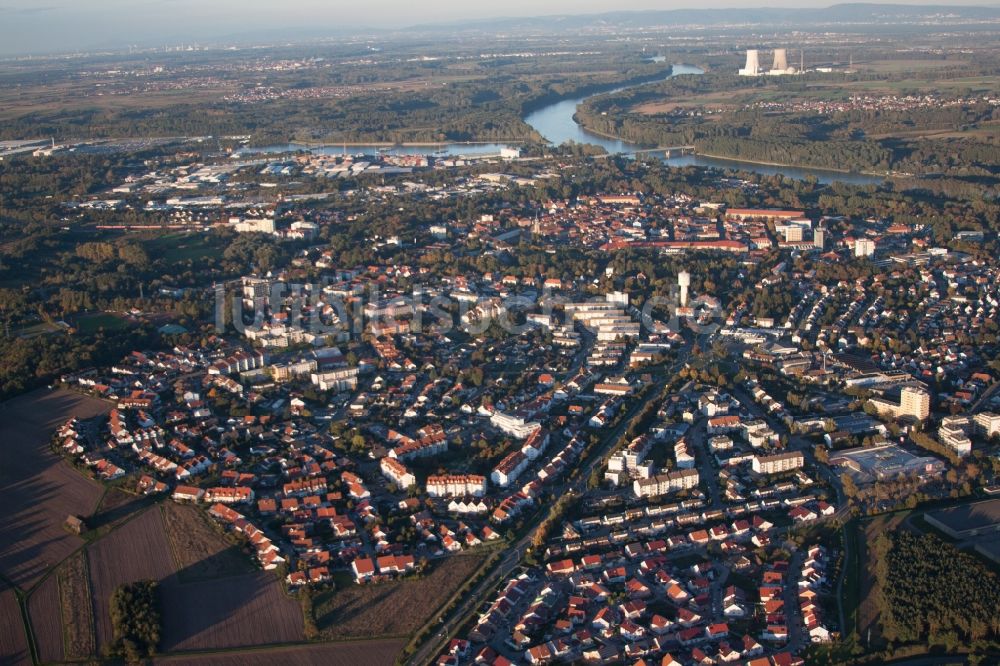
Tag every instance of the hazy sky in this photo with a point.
(31, 26)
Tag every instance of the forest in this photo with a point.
(934, 594)
(904, 141)
(135, 616)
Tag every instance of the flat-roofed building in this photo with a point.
(986, 424)
(661, 484)
(779, 462)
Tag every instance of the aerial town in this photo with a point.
(351, 433)
(644, 338)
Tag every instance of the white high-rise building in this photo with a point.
(864, 247)
(819, 237)
(914, 402)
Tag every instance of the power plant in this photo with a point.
(752, 68)
(779, 66)
(780, 63)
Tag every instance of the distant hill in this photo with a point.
(850, 13)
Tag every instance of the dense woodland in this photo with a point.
(135, 616)
(869, 141)
(933, 593)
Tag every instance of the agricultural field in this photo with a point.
(13, 641)
(358, 611)
(138, 550)
(199, 549)
(345, 653)
(252, 609)
(115, 507)
(38, 489)
(44, 611)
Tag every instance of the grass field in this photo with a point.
(369, 611)
(177, 247)
(92, 323)
(199, 549)
(38, 489)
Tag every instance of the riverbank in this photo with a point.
(735, 160)
(538, 103)
(404, 144)
(743, 160)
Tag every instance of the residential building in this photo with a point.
(779, 462)
(661, 484)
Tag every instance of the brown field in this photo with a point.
(200, 550)
(37, 488)
(46, 620)
(232, 612)
(349, 653)
(13, 642)
(137, 550)
(115, 507)
(77, 608)
(370, 611)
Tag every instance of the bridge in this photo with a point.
(668, 151)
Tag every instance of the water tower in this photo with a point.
(684, 281)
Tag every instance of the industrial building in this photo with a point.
(779, 65)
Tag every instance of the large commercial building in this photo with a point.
(886, 462)
(968, 520)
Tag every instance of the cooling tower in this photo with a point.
(780, 62)
(752, 67)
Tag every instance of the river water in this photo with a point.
(555, 122)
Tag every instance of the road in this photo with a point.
(984, 397)
(790, 594)
(706, 471)
(458, 617)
